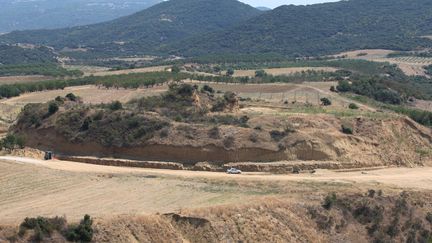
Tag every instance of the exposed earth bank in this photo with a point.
(316, 139)
(190, 126)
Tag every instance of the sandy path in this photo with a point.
(419, 178)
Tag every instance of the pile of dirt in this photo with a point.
(28, 153)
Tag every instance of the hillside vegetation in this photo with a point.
(147, 30)
(37, 60)
(323, 29)
(39, 14)
(212, 127)
(14, 55)
(182, 27)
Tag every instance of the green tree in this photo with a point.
(82, 232)
(230, 72)
(326, 101)
(260, 73)
(71, 97)
(217, 69)
(116, 105)
(53, 108)
(344, 86)
(353, 106)
(175, 69)
(11, 142)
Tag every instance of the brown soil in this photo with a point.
(376, 142)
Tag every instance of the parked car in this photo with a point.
(234, 171)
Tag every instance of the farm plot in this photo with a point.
(89, 94)
(281, 94)
(22, 79)
(282, 71)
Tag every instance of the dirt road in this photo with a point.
(419, 178)
(30, 188)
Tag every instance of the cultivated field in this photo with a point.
(282, 71)
(283, 94)
(89, 94)
(22, 79)
(409, 65)
(367, 54)
(127, 71)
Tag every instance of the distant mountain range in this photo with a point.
(264, 8)
(202, 27)
(50, 14)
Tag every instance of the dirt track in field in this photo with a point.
(31, 187)
(401, 177)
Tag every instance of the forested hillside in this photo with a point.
(39, 14)
(13, 55)
(201, 27)
(322, 29)
(147, 30)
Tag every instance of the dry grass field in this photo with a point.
(127, 71)
(367, 54)
(32, 188)
(282, 71)
(281, 94)
(89, 94)
(103, 71)
(22, 79)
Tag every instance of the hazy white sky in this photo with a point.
(276, 3)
